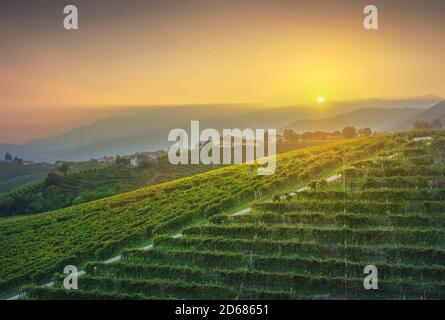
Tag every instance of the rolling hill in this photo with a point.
(311, 244)
(12, 176)
(93, 183)
(25, 189)
(98, 229)
(377, 119)
(435, 112)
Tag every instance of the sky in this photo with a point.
(164, 52)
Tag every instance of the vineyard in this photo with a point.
(91, 180)
(12, 176)
(386, 209)
(87, 183)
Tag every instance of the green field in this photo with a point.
(312, 245)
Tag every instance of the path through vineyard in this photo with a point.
(248, 210)
(150, 246)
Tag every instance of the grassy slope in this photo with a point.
(91, 180)
(34, 247)
(313, 245)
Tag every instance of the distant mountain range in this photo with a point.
(148, 130)
(378, 119)
(436, 112)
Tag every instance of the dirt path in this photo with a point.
(291, 194)
(242, 212)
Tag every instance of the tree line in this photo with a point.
(16, 160)
(422, 125)
(347, 133)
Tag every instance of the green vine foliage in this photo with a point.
(386, 209)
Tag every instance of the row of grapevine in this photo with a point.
(34, 247)
(313, 244)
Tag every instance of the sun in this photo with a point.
(320, 100)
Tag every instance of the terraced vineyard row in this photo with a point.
(312, 244)
(34, 247)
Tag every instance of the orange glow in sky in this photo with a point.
(273, 52)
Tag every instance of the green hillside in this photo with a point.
(87, 183)
(99, 229)
(312, 245)
(14, 176)
(92, 180)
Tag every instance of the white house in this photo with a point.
(134, 162)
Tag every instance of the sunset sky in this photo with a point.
(188, 51)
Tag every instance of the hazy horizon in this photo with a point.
(194, 52)
(89, 115)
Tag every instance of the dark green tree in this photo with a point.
(144, 164)
(52, 179)
(290, 135)
(436, 124)
(121, 161)
(64, 168)
(422, 125)
(18, 161)
(349, 132)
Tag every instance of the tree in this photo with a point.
(349, 132)
(436, 124)
(144, 164)
(319, 135)
(307, 136)
(121, 161)
(337, 135)
(8, 156)
(422, 125)
(291, 136)
(18, 161)
(52, 179)
(64, 168)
